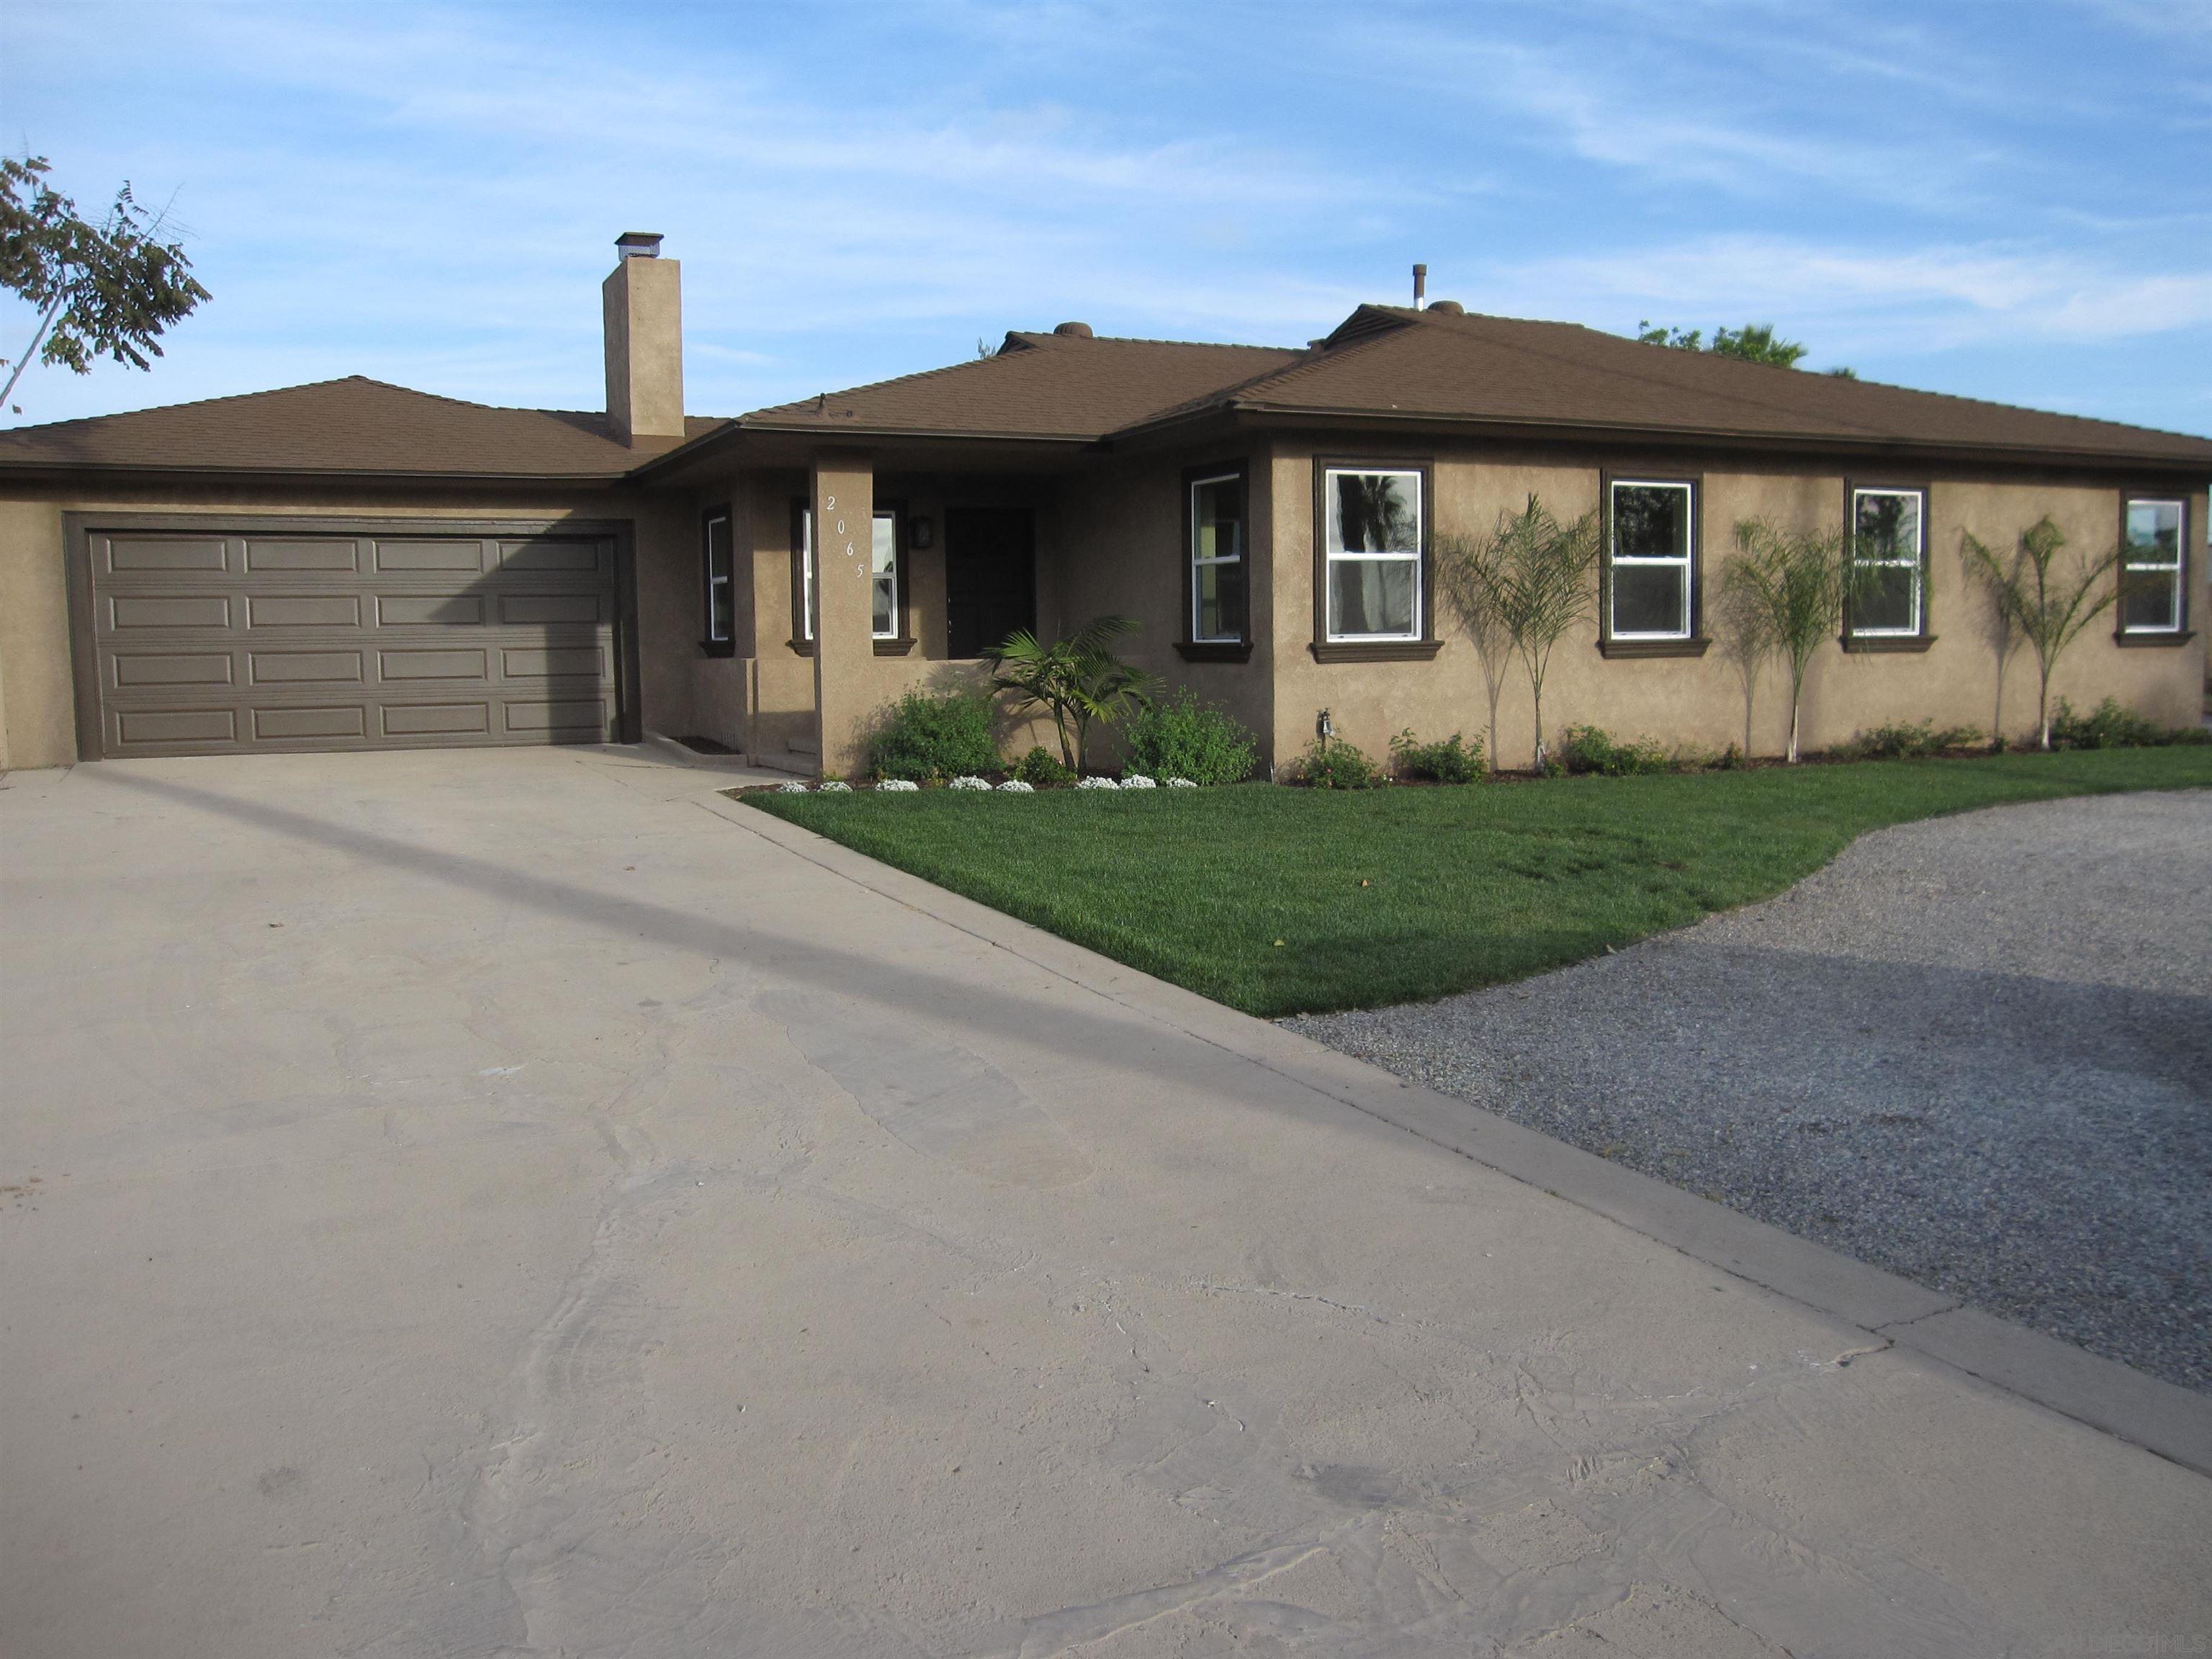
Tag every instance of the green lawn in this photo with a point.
(1282, 901)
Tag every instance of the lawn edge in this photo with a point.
(1891, 1313)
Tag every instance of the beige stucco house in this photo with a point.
(353, 565)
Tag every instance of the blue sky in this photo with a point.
(2008, 201)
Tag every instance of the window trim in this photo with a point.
(900, 641)
(1236, 647)
(1420, 645)
(2179, 633)
(1692, 643)
(802, 576)
(1863, 641)
(724, 644)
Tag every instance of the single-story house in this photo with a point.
(354, 565)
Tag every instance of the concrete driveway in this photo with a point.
(521, 1203)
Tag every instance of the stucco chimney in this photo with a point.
(643, 299)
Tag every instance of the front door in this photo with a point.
(990, 577)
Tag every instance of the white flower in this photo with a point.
(969, 783)
(1179, 783)
(1015, 786)
(792, 788)
(836, 787)
(898, 786)
(1138, 780)
(1097, 783)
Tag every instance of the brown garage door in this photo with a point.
(220, 639)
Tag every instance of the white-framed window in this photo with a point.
(1217, 559)
(721, 594)
(2151, 566)
(1372, 539)
(1889, 540)
(1650, 559)
(884, 575)
(802, 588)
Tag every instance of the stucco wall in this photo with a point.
(1698, 702)
(37, 696)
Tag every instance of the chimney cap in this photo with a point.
(638, 245)
(1074, 330)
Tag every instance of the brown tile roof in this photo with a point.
(1389, 361)
(1039, 385)
(351, 426)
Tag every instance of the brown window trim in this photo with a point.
(1214, 650)
(1190, 648)
(1874, 644)
(709, 646)
(1375, 650)
(904, 641)
(1326, 650)
(1628, 650)
(2138, 637)
(799, 642)
(1697, 644)
(2140, 640)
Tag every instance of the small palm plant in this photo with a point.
(1077, 681)
(2049, 608)
(1522, 587)
(1784, 594)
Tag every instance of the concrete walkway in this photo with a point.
(523, 1203)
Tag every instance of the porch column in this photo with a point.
(844, 496)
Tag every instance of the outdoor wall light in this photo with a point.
(919, 533)
(1324, 728)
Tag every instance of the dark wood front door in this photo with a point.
(990, 576)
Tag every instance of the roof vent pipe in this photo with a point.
(1420, 285)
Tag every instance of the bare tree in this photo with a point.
(1789, 585)
(2049, 607)
(1457, 560)
(1531, 577)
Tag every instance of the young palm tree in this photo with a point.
(1530, 578)
(1788, 588)
(1457, 560)
(1077, 681)
(2048, 608)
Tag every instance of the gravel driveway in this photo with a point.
(1976, 1051)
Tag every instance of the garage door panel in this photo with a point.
(139, 728)
(294, 667)
(436, 718)
(231, 639)
(145, 613)
(431, 665)
(170, 668)
(429, 610)
(267, 610)
(283, 724)
(168, 555)
(448, 555)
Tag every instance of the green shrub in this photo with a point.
(1584, 748)
(1904, 740)
(1455, 760)
(2108, 726)
(1179, 736)
(1339, 766)
(1043, 769)
(928, 738)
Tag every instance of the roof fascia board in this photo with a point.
(1677, 437)
(115, 473)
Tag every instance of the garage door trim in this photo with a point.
(80, 528)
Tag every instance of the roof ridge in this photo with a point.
(193, 402)
(1310, 356)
